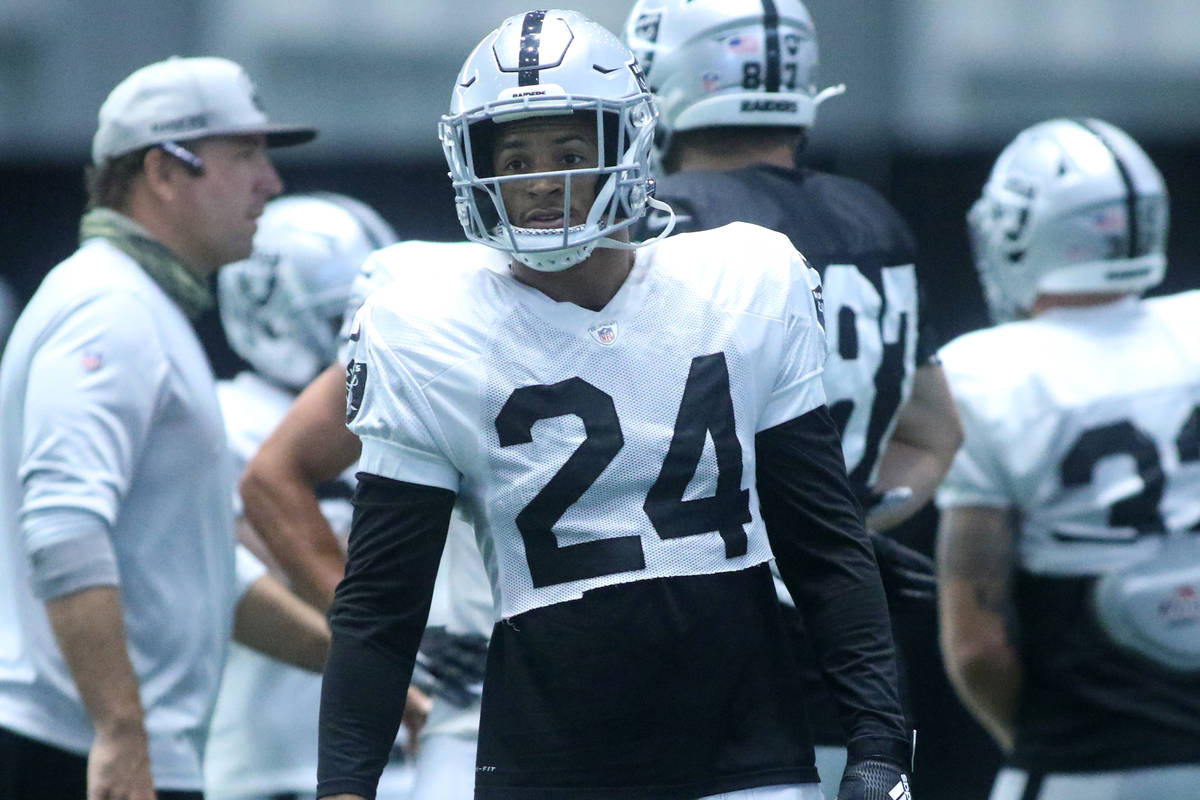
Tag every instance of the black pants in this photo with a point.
(33, 770)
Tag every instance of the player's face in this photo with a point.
(222, 206)
(546, 144)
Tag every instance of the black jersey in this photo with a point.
(866, 256)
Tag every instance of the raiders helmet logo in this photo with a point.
(356, 383)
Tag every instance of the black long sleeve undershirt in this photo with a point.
(828, 564)
(378, 615)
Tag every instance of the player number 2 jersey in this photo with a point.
(588, 444)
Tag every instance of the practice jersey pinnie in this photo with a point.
(263, 738)
(1087, 422)
(594, 448)
(866, 257)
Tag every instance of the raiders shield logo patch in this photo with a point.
(356, 383)
(819, 301)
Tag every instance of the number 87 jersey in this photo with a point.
(593, 448)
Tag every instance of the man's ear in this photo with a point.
(161, 173)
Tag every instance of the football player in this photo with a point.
(1068, 556)
(281, 309)
(626, 425)
(735, 82)
(280, 486)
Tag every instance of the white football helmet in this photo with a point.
(545, 63)
(282, 307)
(1071, 206)
(728, 62)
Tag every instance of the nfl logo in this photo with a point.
(711, 81)
(605, 333)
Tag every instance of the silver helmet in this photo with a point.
(727, 62)
(1072, 206)
(548, 63)
(282, 307)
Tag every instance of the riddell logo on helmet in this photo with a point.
(770, 105)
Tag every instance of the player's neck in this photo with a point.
(591, 283)
(718, 156)
(1045, 302)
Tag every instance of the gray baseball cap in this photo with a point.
(185, 98)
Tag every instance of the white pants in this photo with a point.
(1180, 782)
(831, 763)
(445, 768)
(791, 791)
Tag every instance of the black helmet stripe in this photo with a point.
(1130, 192)
(531, 45)
(771, 32)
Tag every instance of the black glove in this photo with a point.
(908, 577)
(873, 779)
(451, 666)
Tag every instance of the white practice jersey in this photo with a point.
(109, 410)
(1087, 421)
(573, 436)
(264, 732)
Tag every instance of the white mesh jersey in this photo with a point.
(462, 599)
(264, 731)
(1087, 421)
(594, 447)
(397, 259)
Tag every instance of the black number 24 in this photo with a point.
(706, 408)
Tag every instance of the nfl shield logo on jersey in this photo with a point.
(605, 333)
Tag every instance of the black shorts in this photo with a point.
(33, 770)
(657, 689)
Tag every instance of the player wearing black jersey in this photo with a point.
(626, 425)
(735, 83)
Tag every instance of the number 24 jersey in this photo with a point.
(594, 448)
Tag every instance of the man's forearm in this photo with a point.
(311, 445)
(90, 631)
(278, 624)
(921, 448)
(284, 512)
(975, 557)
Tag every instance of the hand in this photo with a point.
(119, 766)
(416, 712)
(878, 505)
(873, 779)
(451, 666)
(908, 577)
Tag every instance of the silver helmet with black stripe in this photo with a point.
(282, 307)
(1071, 206)
(715, 63)
(545, 64)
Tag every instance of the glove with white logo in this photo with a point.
(450, 665)
(873, 779)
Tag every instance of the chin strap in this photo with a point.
(657, 205)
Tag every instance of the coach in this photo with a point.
(118, 585)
